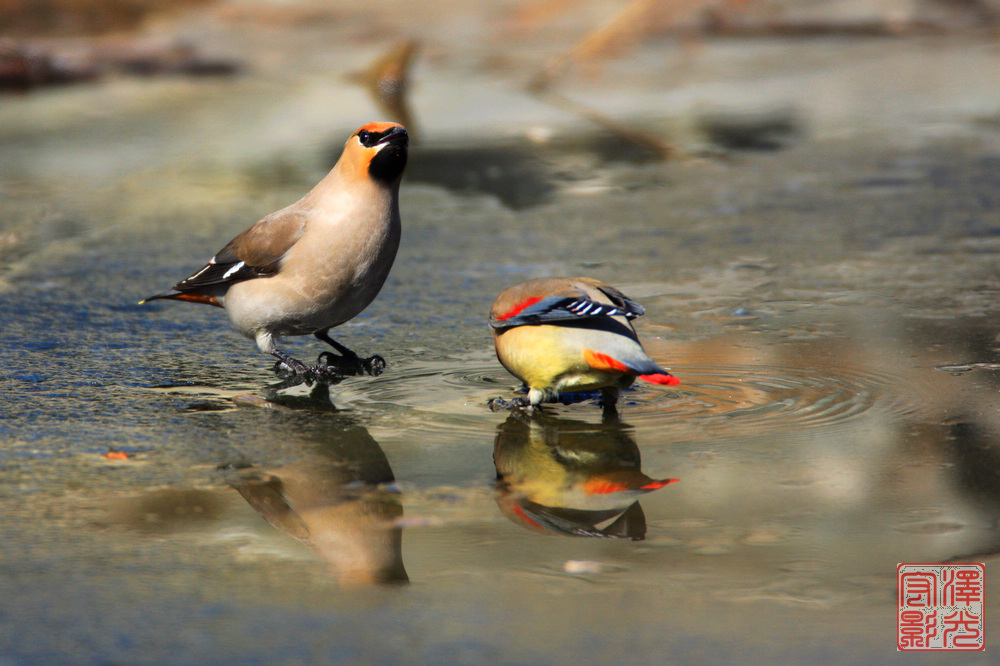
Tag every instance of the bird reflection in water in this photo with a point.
(339, 499)
(563, 476)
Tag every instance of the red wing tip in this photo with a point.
(655, 485)
(661, 378)
(518, 307)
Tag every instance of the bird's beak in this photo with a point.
(397, 136)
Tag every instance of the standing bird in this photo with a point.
(317, 263)
(562, 335)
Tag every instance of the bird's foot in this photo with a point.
(345, 365)
(609, 403)
(288, 380)
(609, 411)
(325, 374)
(288, 367)
(499, 404)
(374, 365)
(294, 371)
(302, 374)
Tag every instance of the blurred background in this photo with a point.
(804, 196)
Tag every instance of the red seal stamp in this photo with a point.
(940, 607)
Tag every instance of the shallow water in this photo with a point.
(829, 308)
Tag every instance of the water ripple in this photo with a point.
(759, 396)
(723, 396)
(440, 386)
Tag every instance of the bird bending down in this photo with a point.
(561, 335)
(317, 263)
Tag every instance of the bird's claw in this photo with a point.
(291, 368)
(294, 372)
(349, 365)
(325, 374)
(329, 363)
(499, 404)
(330, 368)
(374, 365)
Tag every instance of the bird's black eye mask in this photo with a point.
(371, 139)
(388, 163)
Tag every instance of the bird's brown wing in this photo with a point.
(256, 252)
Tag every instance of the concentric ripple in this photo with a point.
(770, 396)
(717, 396)
(446, 386)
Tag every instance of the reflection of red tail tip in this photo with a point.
(655, 485)
(661, 378)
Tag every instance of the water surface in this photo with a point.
(828, 306)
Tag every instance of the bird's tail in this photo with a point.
(189, 296)
(661, 377)
(644, 368)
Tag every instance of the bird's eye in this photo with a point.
(364, 136)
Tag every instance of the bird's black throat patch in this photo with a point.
(388, 163)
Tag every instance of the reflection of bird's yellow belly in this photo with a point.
(543, 358)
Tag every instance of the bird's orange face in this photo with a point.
(380, 150)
